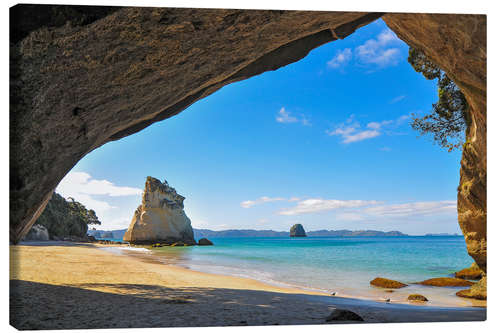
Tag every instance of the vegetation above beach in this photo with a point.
(64, 218)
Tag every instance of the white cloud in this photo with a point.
(351, 131)
(349, 217)
(81, 187)
(261, 200)
(287, 117)
(319, 205)
(377, 125)
(82, 182)
(360, 136)
(403, 119)
(342, 57)
(413, 208)
(397, 99)
(382, 51)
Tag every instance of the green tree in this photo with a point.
(64, 218)
(448, 119)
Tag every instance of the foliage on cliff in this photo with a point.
(64, 218)
(447, 121)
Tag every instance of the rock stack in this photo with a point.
(297, 230)
(160, 218)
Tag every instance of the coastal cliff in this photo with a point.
(160, 218)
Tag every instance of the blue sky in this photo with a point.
(324, 142)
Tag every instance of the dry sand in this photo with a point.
(58, 285)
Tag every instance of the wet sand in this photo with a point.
(58, 285)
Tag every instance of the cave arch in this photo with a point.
(89, 75)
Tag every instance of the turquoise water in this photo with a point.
(341, 264)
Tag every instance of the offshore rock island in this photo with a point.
(297, 230)
(160, 218)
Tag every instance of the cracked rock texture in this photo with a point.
(160, 218)
(83, 76)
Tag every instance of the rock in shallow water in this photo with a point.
(417, 297)
(446, 282)
(160, 218)
(204, 241)
(387, 283)
(343, 315)
(471, 273)
(476, 291)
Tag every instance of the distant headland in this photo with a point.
(200, 233)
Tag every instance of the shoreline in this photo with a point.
(397, 296)
(134, 289)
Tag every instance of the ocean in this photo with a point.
(344, 265)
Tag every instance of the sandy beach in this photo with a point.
(57, 285)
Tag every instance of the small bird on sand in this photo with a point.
(334, 293)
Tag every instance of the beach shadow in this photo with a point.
(37, 306)
(55, 243)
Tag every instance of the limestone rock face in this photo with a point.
(160, 218)
(297, 230)
(37, 233)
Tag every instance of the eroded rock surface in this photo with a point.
(160, 218)
(476, 291)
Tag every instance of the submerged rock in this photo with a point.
(204, 241)
(417, 297)
(387, 283)
(446, 282)
(37, 233)
(476, 291)
(343, 315)
(160, 218)
(297, 230)
(471, 273)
